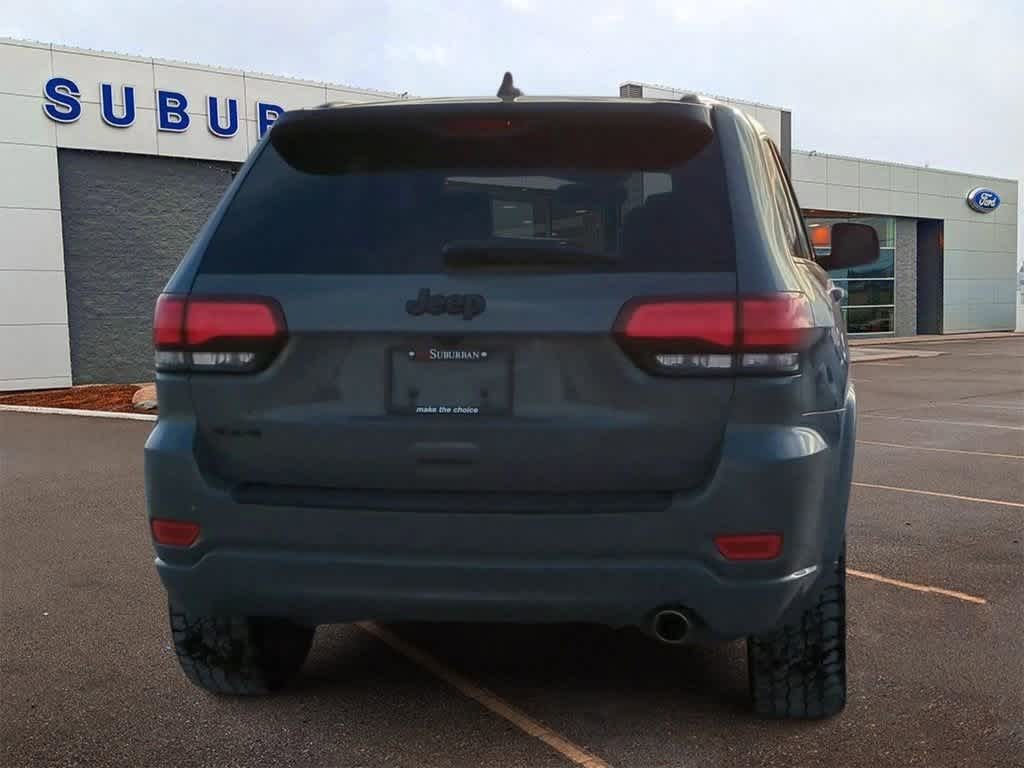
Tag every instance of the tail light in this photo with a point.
(200, 333)
(758, 335)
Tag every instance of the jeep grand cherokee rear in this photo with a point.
(536, 360)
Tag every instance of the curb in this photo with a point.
(77, 412)
(882, 358)
(937, 338)
(873, 356)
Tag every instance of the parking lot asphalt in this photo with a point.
(87, 676)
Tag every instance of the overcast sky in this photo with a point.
(915, 81)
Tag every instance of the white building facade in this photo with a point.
(109, 164)
(55, 101)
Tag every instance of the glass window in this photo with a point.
(647, 212)
(820, 232)
(869, 304)
(868, 292)
(869, 319)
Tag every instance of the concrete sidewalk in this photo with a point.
(886, 348)
(935, 338)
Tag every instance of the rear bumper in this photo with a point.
(330, 565)
(333, 588)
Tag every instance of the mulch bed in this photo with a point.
(99, 397)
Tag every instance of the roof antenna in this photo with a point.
(508, 91)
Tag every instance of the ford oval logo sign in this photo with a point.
(983, 200)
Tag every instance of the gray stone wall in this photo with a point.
(127, 221)
(905, 271)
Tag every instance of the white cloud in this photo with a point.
(705, 12)
(523, 6)
(435, 55)
(609, 17)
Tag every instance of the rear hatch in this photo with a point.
(442, 297)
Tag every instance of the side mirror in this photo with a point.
(853, 245)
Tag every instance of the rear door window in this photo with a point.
(645, 210)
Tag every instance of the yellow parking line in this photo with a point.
(918, 587)
(485, 698)
(942, 450)
(941, 421)
(998, 502)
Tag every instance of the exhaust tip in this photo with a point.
(671, 626)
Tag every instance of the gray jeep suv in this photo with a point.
(509, 360)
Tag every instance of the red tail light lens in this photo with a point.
(169, 321)
(209, 320)
(750, 546)
(700, 324)
(776, 323)
(217, 334)
(174, 533)
(759, 334)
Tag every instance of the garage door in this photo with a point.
(127, 220)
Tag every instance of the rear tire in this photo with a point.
(239, 656)
(799, 670)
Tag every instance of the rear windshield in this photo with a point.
(336, 207)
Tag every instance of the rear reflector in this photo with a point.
(216, 334)
(759, 335)
(174, 533)
(750, 546)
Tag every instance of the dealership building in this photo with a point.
(109, 165)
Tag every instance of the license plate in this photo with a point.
(451, 381)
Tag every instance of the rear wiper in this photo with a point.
(543, 253)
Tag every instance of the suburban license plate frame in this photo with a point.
(457, 381)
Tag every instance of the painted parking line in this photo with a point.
(918, 587)
(942, 421)
(942, 450)
(997, 502)
(987, 406)
(485, 698)
(1002, 356)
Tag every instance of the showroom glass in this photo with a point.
(390, 219)
(869, 306)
